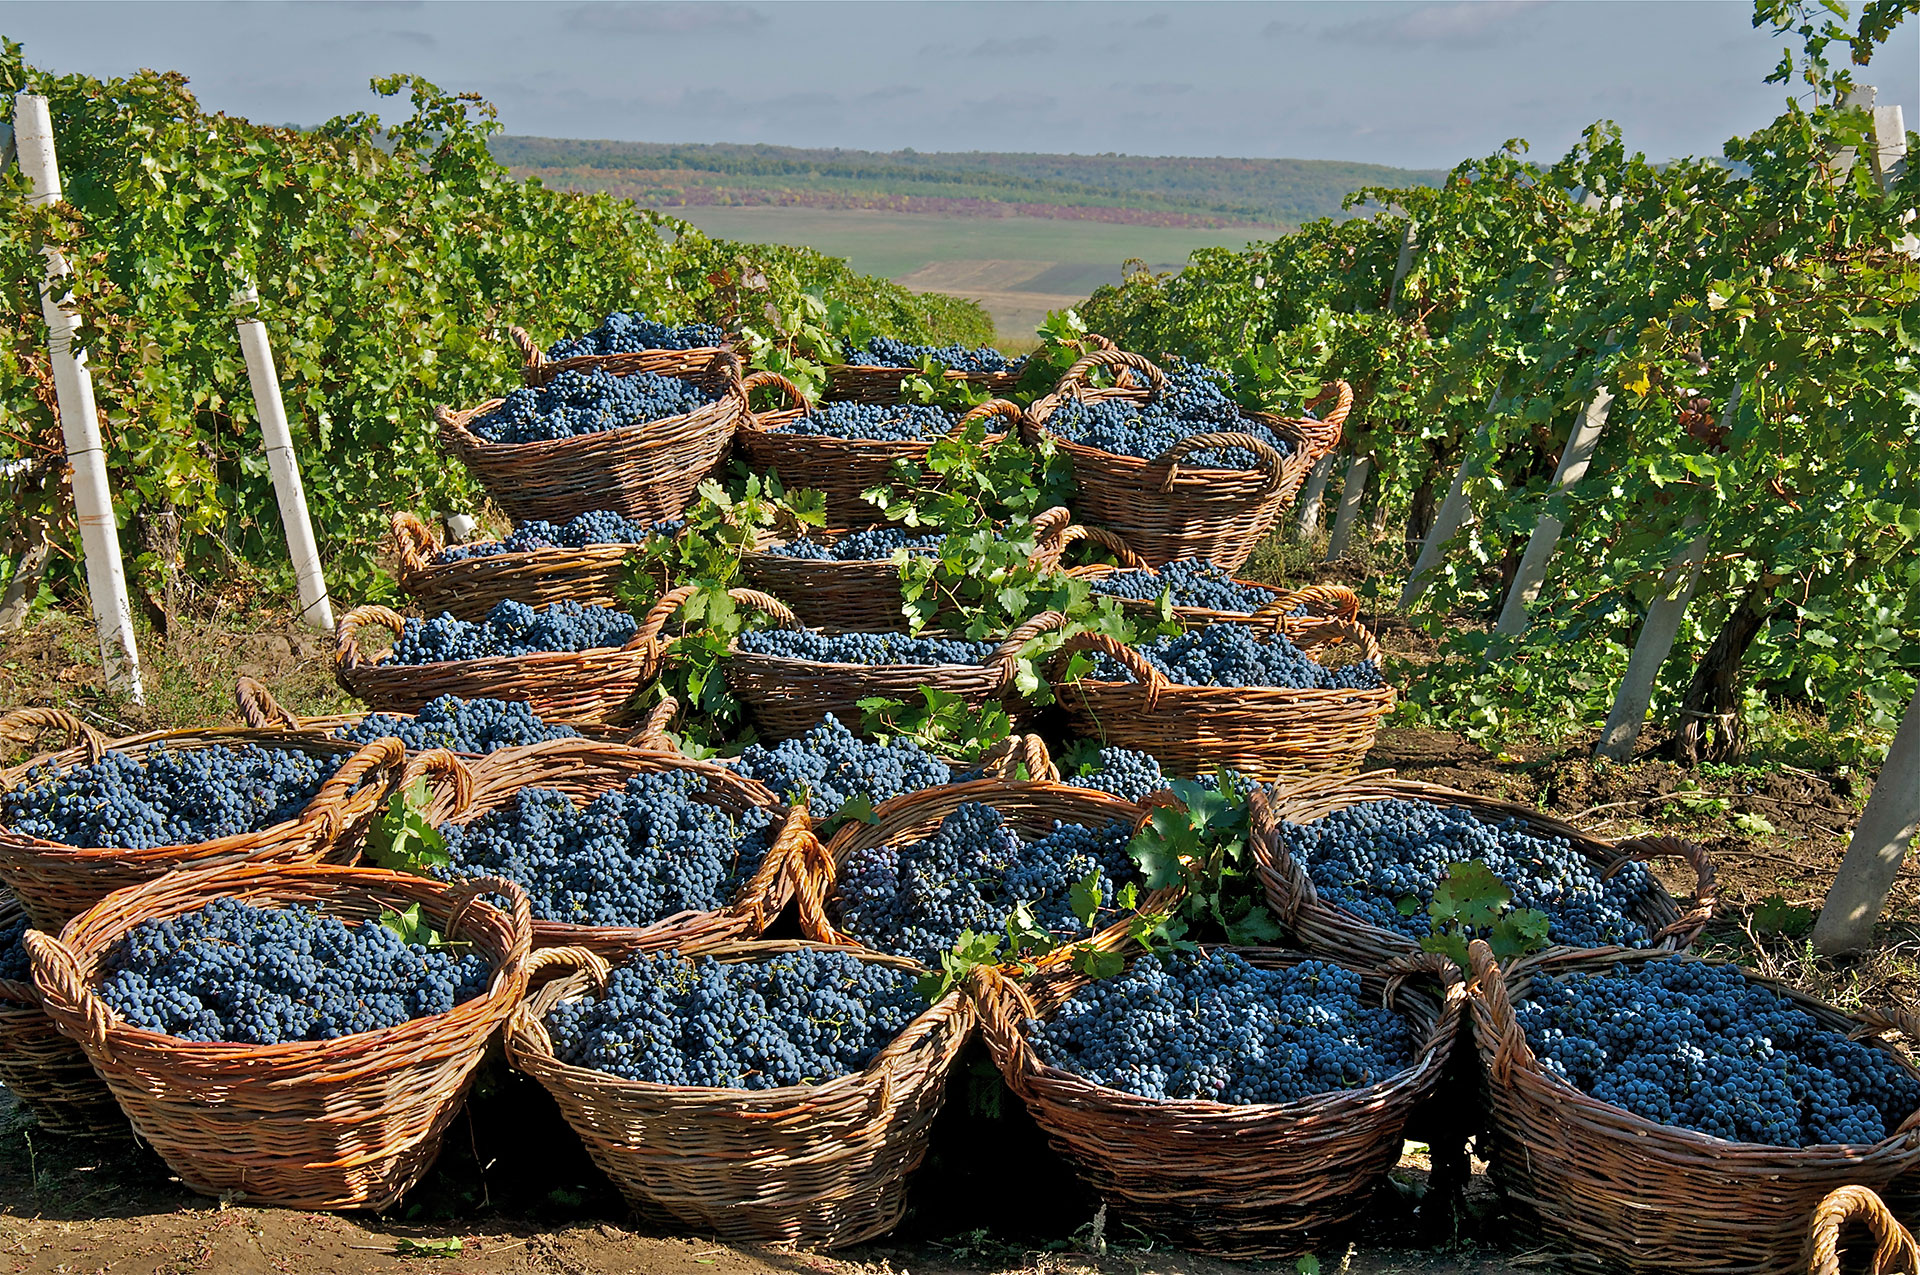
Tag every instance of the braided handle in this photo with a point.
(453, 427)
(653, 732)
(1491, 984)
(531, 355)
(1705, 873)
(1110, 541)
(413, 544)
(989, 410)
(349, 791)
(813, 872)
(1322, 601)
(451, 783)
(1131, 660)
(56, 972)
(1075, 378)
(1314, 633)
(519, 907)
(346, 635)
(726, 365)
(1006, 655)
(1006, 759)
(27, 725)
(1894, 1246)
(1323, 435)
(1266, 459)
(795, 396)
(1283, 878)
(1051, 523)
(258, 709)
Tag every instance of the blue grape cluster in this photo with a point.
(462, 725)
(1212, 1026)
(1124, 772)
(831, 765)
(1234, 655)
(890, 423)
(14, 965)
(588, 403)
(872, 545)
(914, 900)
(863, 648)
(884, 351)
(627, 332)
(798, 1018)
(629, 857)
(267, 976)
(1685, 1043)
(1195, 402)
(512, 628)
(599, 527)
(1193, 582)
(165, 796)
(1373, 856)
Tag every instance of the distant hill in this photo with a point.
(1141, 190)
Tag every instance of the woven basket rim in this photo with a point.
(728, 398)
(1576, 1104)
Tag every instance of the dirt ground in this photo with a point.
(516, 1192)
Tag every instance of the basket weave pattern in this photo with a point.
(471, 587)
(824, 1165)
(1617, 1189)
(1167, 511)
(1319, 926)
(537, 369)
(339, 1124)
(647, 470)
(56, 882)
(45, 1070)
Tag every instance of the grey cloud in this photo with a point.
(1463, 24)
(669, 18)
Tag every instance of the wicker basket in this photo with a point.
(1894, 1246)
(1166, 511)
(1318, 926)
(863, 596)
(1259, 1181)
(340, 1124)
(596, 686)
(1322, 601)
(48, 1073)
(1614, 1189)
(56, 882)
(260, 711)
(841, 469)
(1269, 733)
(647, 470)
(870, 383)
(584, 770)
(471, 587)
(790, 697)
(822, 1165)
(537, 369)
(1030, 808)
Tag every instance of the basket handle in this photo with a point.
(1004, 655)
(652, 733)
(413, 543)
(663, 610)
(763, 897)
(726, 364)
(1513, 1050)
(349, 793)
(795, 396)
(1695, 856)
(991, 409)
(1323, 435)
(530, 352)
(1322, 601)
(27, 725)
(57, 974)
(1075, 378)
(449, 780)
(1110, 541)
(1894, 1247)
(813, 871)
(1144, 673)
(1004, 759)
(1267, 459)
(518, 907)
(1279, 870)
(258, 708)
(346, 637)
(1317, 633)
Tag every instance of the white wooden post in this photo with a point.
(79, 419)
(1453, 512)
(1574, 460)
(1310, 498)
(1880, 841)
(315, 609)
(1351, 490)
(1409, 242)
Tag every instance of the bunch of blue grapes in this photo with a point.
(871, 545)
(863, 648)
(914, 900)
(1195, 401)
(162, 796)
(1373, 857)
(588, 403)
(462, 725)
(1125, 772)
(512, 628)
(628, 332)
(884, 351)
(1213, 1027)
(629, 857)
(599, 527)
(798, 1018)
(830, 765)
(1192, 582)
(14, 965)
(267, 976)
(889, 423)
(1234, 655)
(1699, 1046)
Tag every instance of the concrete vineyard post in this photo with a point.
(1574, 461)
(1879, 846)
(1650, 650)
(79, 418)
(1453, 513)
(1310, 498)
(315, 608)
(1351, 492)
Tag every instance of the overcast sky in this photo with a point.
(1413, 84)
